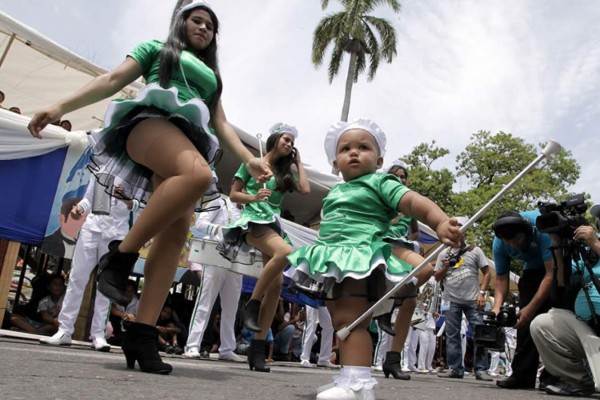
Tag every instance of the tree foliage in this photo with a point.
(488, 163)
(435, 184)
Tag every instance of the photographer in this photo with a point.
(557, 333)
(458, 269)
(518, 238)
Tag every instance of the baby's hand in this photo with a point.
(449, 232)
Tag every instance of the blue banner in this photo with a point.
(27, 190)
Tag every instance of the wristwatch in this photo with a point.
(482, 292)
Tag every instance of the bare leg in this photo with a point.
(407, 308)
(180, 178)
(276, 249)
(164, 149)
(22, 323)
(357, 349)
(268, 307)
(160, 268)
(268, 286)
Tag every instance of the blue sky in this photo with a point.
(531, 68)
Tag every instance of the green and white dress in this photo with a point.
(192, 86)
(234, 246)
(351, 243)
(398, 233)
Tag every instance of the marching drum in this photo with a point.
(204, 251)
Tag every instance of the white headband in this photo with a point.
(192, 5)
(281, 127)
(396, 163)
(335, 131)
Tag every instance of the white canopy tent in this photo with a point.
(36, 72)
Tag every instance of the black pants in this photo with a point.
(526, 360)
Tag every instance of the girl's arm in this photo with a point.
(426, 211)
(99, 88)
(230, 140)
(302, 185)
(237, 194)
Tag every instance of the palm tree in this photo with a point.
(353, 31)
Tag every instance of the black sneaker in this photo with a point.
(512, 383)
(562, 388)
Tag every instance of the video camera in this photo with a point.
(562, 218)
(491, 334)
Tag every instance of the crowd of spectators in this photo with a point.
(65, 123)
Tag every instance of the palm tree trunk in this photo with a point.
(349, 82)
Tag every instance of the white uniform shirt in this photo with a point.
(116, 224)
(222, 212)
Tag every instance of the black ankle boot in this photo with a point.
(391, 365)
(114, 269)
(140, 344)
(384, 321)
(256, 358)
(250, 315)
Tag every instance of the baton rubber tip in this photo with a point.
(552, 147)
(343, 333)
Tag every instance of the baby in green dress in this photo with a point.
(350, 250)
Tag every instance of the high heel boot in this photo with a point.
(140, 344)
(384, 321)
(256, 358)
(114, 269)
(391, 365)
(250, 315)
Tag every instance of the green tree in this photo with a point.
(489, 162)
(354, 31)
(434, 184)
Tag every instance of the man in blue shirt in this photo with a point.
(518, 238)
(560, 334)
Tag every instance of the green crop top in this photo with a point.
(201, 79)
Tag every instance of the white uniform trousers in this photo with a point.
(494, 359)
(88, 250)
(426, 349)
(316, 316)
(384, 344)
(216, 281)
(410, 348)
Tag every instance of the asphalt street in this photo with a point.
(32, 371)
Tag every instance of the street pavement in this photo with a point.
(32, 371)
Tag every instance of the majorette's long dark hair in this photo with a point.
(178, 41)
(282, 168)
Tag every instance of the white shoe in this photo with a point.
(60, 338)
(306, 364)
(340, 393)
(100, 344)
(192, 352)
(377, 368)
(336, 393)
(422, 371)
(327, 364)
(231, 357)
